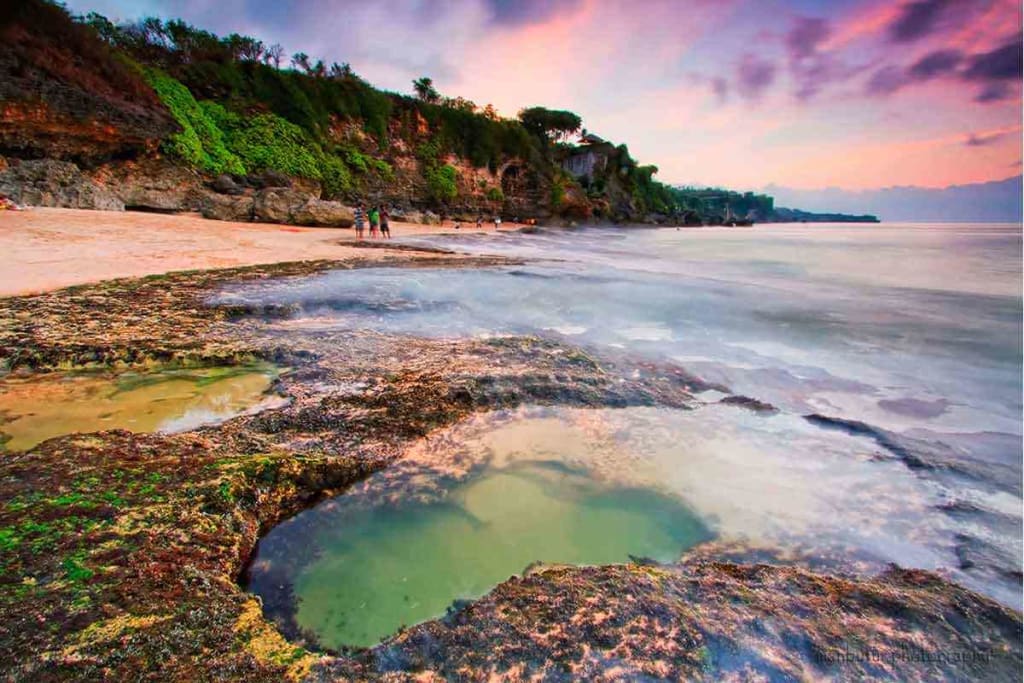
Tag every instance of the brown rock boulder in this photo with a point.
(223, 207)
(278, 204)
(153, 185)
(325, 213)
(47, 182)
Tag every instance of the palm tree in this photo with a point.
(425, 90)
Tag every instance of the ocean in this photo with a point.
(891, 354)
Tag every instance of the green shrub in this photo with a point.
(269, 142)
(362, 163)
(356, 160)
(441, 182)
(495, 194)
(200, 142)
(557, 195)
(335, 176)
(382, 169)
(429, 152)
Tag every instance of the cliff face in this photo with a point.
(512, 187)
(63, 95)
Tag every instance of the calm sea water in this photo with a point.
(912, 330)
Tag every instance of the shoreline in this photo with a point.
(49, 248)
(46, 248)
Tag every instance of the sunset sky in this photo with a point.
(801, 93)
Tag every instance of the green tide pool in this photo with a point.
(377, 568)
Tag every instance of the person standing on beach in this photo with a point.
(385, 223)
(497, 222)
(360, 221)
(479, 222)
(374, 222)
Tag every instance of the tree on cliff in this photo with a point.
(274, 53)
(425, 90)
(300, 60)
(550, 124)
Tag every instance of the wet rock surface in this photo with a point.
(702, 620)
(122, 552)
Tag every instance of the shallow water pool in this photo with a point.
(363, 565)
(34, 410)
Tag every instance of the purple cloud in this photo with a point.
(753, 75)
(811, 68)
(982, 139)
(996, 70)
(886, 81)
(1003, 63)
(720, 87)
(994, 92)
(806, 35)
(934, 64)
(917, 19)
(522, 12)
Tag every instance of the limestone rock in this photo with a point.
(154, 185)
(47, 182)
(268, 179)
(226, 207)
(325, 213)
(277, 205)
(225, 184)
(311, 187)
(431, 218)
(66, 98)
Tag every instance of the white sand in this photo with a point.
(43, 249)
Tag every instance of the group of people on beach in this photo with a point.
(379, 219)
(480, 223)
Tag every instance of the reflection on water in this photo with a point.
(37, 409)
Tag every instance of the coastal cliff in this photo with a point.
(163, 116)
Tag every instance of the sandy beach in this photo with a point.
(46, 249)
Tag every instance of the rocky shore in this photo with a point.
(122, 552)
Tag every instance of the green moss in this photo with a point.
(9, 539)
(75, 570)
(225, 492)
(74, 498)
